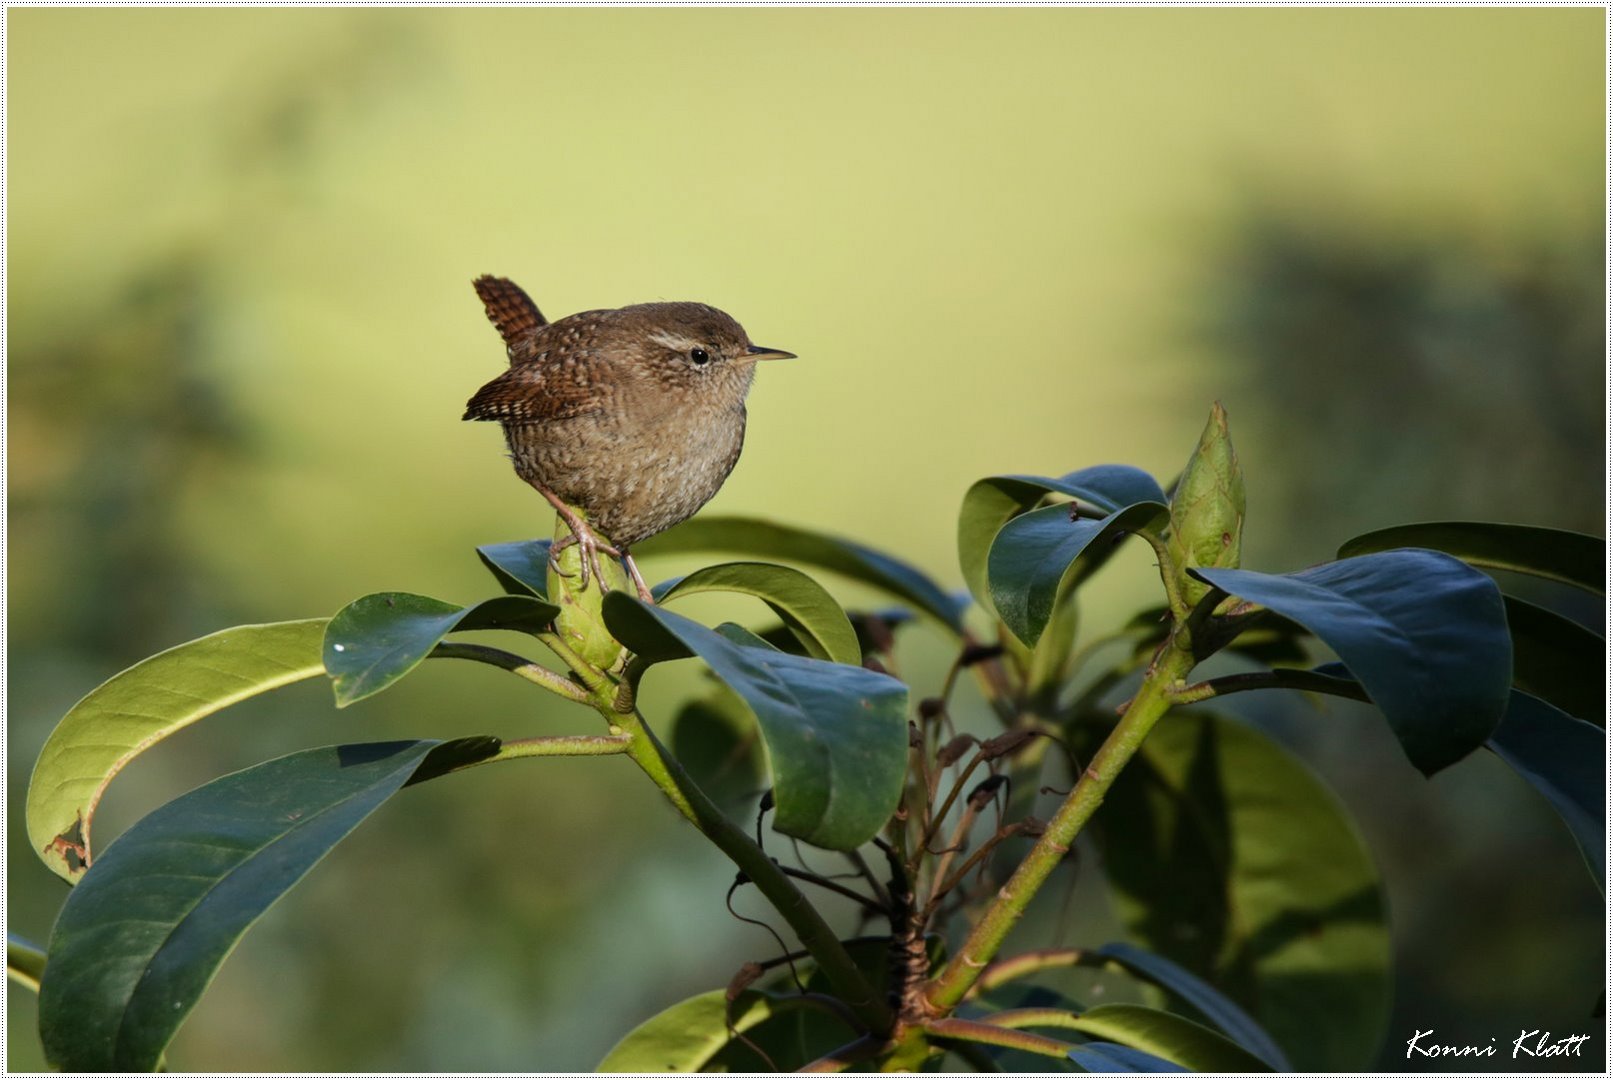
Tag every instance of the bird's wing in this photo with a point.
(534, 392)
(509, 309)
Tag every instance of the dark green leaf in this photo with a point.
(990, 503)
(25, 963)
(754, 537)
(836, 735)
(714, 739)
(521, 567)
(1225, 854)
(1108, 1057)
(133, 710)
(1039, 555)
(1565, 759)
(1569, 557)
(1174, 1038)
(1216, 1006)
(145, 931)
(1559, 660)
(378, 639)
(806, 607)
(1424, 633)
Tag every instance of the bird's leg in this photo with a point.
(638, 578)
(581, 535)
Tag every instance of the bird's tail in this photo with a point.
(508, 308)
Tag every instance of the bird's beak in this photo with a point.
(758, 352)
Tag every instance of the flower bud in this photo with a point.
(580, 624)
(1207, 508)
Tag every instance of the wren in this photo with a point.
(634, 415)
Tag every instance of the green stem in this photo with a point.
(993, 1035)
(1167, 574)
(1018, 967)
(1283, 679)
(518, 665)
(592, 678)
(809, 926)
(563, 746)
(949, 987)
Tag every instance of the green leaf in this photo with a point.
(686, 1036)
(1174, 1038)
(1565, 760)
(714, 739)
(990, 503)
(25, 963)
(145, 931)
(1221, 1010)
(521, 567)
(1108, 1057)
(137, 708)
(1569, 557)
(1227, 855)
(836, 735)
(806, 607)
(1424, 634)
(378, 639)
(1559, 660)
(754, 537)
(1039, 556)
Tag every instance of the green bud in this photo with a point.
(580, 623)
(1207, 508)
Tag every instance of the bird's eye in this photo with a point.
(699, 356)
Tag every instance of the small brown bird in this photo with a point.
(636, 415)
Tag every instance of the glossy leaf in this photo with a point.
(1038, 556)
(521, 568)
(145, 931)
(1219, 1009)
(714, 738)
(686, 1036)
(1565, 760)
(139, 707)
(1569, 557)
(990, 503)
(810, 613)
(378, 639)
(836, 735)
(1425, 634)
(755, 537)
(1174, 1038)
(1558, 660)
(1225, 854)
(25, 963)
(1108, 1057)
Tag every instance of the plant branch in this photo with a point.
(768, 877)
(846, 1056)
(518, 665)
(1276, 679)
(948, 988)
(995, 1035)
(563, 746)
(1018, 967)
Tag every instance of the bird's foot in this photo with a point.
(638, 578)
(584, 538)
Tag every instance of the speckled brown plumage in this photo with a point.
(636, 414)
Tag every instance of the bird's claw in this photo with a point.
(582, 537)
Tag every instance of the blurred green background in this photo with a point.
(241, 333)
